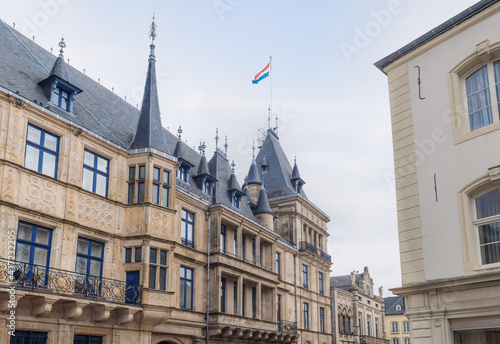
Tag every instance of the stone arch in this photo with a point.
(166, 340)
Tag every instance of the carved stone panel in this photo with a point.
(161, 224)
(41, 195)
(95, 213)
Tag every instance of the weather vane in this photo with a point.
(152, 30)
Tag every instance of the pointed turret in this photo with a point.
(296, 180)
(263, 211)
(149, 132)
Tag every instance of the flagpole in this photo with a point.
(271, 86)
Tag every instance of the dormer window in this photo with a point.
(183, 170)
(208, 187)
(60, 98)
(235, 200)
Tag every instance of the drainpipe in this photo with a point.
(295, 283)
(207, 218)
(333, 304)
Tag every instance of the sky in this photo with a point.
(332, 104)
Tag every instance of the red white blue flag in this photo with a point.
(262, 74)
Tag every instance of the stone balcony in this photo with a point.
(232, 327)
(305, 246)
(372, 340)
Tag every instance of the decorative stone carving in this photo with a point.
(95, 213)
(73, 310)
(8, 184)
(43, 306)
(41, 196)
(161, 225)
(102, 312)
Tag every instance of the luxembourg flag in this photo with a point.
(262, 74)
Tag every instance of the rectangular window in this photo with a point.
(223, 238)
(479, 99)
(306, 316)
(131, 173)
(223, 295)
(165, 195)
(95, 173)
(349, 325)
(344, 328)
(152, 255)
(235, 298)
(254, 252)
(131, 192)
(186, 288)
(368, 328)
(406, 341)
(152, 277)
(142, 172)
(187, 228)
(406, 327)
(163, 257)
(243, 247)
(394, 327)
(128, 255)
(156, 174)
(488, 205)
(338, 321)
(163, 278)
(140, 192)
(321, 320)
(156, 194)
(243, 301)
(305, 282)
(166, 177)
(254, 302)
(42, 151)
(278, 264)
(278, 308)
(89, 261)
(376, 330)
(235, 243)
(360, 328)
(138, 254)
(395, 341)
(84, 339)
(320, 282)
(29, 337)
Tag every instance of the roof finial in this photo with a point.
(276, 129)
(62, 45)
(295, 160)
(232, 166)
(225, 147)
(253, 149)
(152, 30)
(269, 117)
(179, 132)
(216, 138)
(202, 147)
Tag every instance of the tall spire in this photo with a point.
(149, 132)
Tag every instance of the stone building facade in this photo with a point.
(358, 314)
(116, 231)
(396, 323)
(443, 91)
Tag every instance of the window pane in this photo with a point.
(32, 158)
(34, 135)
(95, 268)
(128, 255)
(101, 185)
(40, 256)
(488, 204)
(163, 257)
(156, 193)
(87, 179)
(131, 193)
(164, 197)
(83, 246)
(156, 174)
(489, 238)
(81, 265)
(138, 254)
(152, 276)
(166, 177)
(152, 255)
(142, 172)
(88, 158)
(131, 173)
(49, 164)
(25, 232)
(23, 253)
(96, 250)
(64, 100)
(189, 294)
(140, 196)
(102, 164)
(163, 278)
(478, 99)
(42, 236)
(50, 142)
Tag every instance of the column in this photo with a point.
(259, 300)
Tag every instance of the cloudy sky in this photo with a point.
(331, 102)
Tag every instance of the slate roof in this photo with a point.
(344, 281)
(437, 31)
(391, 303)
(263, 206)
(59, 68)
(278, 178)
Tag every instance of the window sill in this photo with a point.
(493, 266)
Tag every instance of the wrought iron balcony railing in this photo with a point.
(30, 276)
(304, 245)
(287, 327)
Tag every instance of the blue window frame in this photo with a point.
(165, 190)
(152, 255)
(131, 193)
(152, 277)
(33, 248)
(28, 337)
(360, 328)
(187, 228)
(278, 308)
(235, 298)
(254, 302)
(243, 301)
(254, 251)
(236, 201)
(156, 174)
(156, 194)
(95, 173)
(128, 255)
(140, 192)
(223, 295)
(142, 172)
(163, 278)
(89, 261)
(138, 254)
(207, 187)
(84, 339)
(235, 243)
(186, 288)
(243, 247)
(223, 238)
(368, 328)
(305, 281)
(321, 320)
(183, 171)
(163, 257)
(131, 173)
(306, 316)
(42, 151)
(278, 264)
(61, 98)
(166, 177)
(320, 282)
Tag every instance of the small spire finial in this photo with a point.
(253, 149)
(225, 146)
(269, 117)
(232, 166)
(295, 160)
(276, 129)
(202, 147)
(216, 138)
(152, 30)
(179, 133)
(62, 44)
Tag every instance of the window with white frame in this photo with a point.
(406, 341)
(394, 327)
(488, 226)
(406, 327)
(482, 91)
(395, 341)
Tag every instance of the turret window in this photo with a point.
(160, 187)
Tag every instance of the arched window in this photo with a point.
(487, 223)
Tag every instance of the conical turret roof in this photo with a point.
(263, 206)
